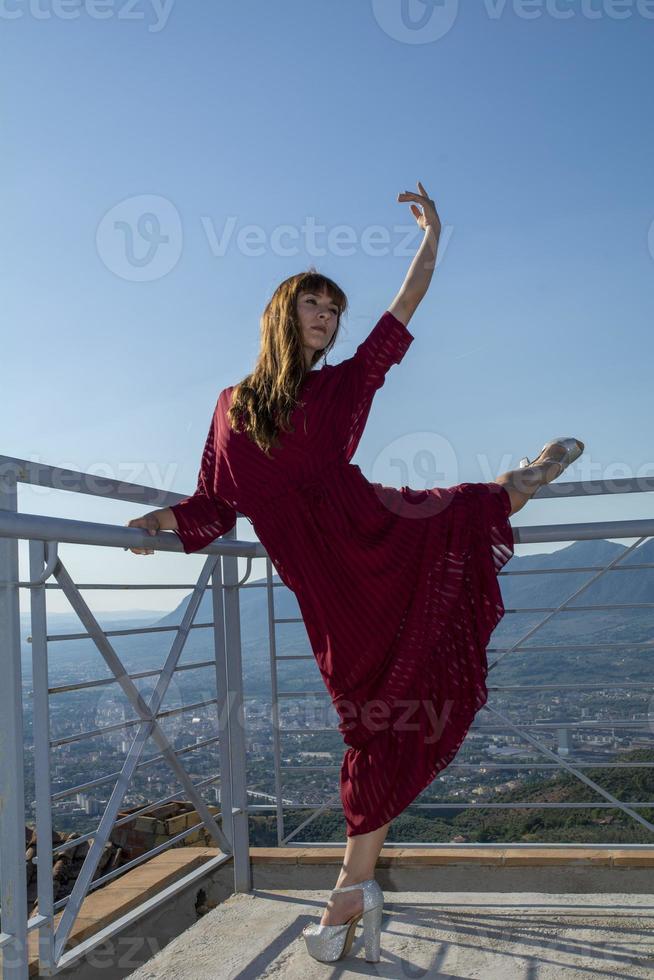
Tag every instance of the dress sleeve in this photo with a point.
(204, 516)
(366, 369)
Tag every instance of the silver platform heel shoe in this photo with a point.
(574, 448)
(330, 943)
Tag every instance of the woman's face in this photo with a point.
(318, 316)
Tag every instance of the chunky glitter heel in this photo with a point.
(574, 448)
(330, 943)
(372, 933)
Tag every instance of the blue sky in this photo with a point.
(243, 126)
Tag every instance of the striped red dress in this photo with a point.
(398, 588)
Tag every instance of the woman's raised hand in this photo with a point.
(428, 217)
(151, 523)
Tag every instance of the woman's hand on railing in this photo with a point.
(151, 523)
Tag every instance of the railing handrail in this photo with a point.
(64, 530)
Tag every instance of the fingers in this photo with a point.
(142, 523)
(146, 523)
(423, 196)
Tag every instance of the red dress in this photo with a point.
(398, 589)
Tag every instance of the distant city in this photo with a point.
(602, 722)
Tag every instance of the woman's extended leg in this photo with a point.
(361, 853)
(522, 484)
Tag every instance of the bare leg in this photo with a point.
(361, 853)
(522, 484)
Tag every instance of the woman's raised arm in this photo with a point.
(421, 270)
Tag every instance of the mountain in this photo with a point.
(549, 589)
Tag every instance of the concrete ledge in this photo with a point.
(394, 857)
(460, 868)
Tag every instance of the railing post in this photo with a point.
(274, 701)
(42, 783)
(223, 706)
(13, 888)
(236, 726)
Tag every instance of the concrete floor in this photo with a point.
(490, 936)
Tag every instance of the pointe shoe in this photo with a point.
(330, 943)
(574, 448)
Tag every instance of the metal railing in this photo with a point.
(230, 833)
(219, 574)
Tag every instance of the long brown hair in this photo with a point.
(263, 401)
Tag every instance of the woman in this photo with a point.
(398, 588)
